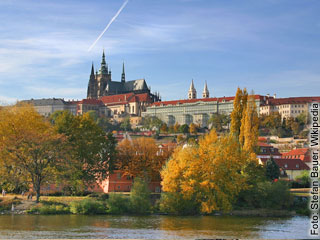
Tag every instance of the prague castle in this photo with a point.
(101, 84)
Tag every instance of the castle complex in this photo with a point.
(133, 98)
(101, 84)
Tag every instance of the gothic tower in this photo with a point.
(192, 93)
(103, 77)
(205, 93)
(92, 85)
(123, 75)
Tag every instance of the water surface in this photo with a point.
(152, 227)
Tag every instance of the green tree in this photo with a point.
(272, 169)
(140, 197)
(126, 125)
(92, 151)
(218, 121)
(184, 128)
(150, 123)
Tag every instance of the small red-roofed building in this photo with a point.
(290, 168)
(304, 154)
(266, 151)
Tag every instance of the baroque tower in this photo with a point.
(192, 93)
(205, 93)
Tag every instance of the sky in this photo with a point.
(269, 46)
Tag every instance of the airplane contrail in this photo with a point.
(111, 21)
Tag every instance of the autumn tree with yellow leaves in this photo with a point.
(29, 146)
(141, 157)
(209, 173)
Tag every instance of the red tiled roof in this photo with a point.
(298, 151)
(289, 164)
(262, 144)
(292, 100)
(119, 98)
(262, 139)
(91, 101)
(175, 102)
(125, 98)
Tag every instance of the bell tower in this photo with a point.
(192, 93)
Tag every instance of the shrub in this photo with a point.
(275, 195)
(175, 203)
(54, 209)
(87, 206)
(140, 197)
(117, 204)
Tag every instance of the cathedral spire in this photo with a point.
(92, 70)
(123, 75)
(103, 69)
(205, 93)
(103, 58)
(192, 93)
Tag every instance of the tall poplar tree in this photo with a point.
(236, 114)
(249, 126)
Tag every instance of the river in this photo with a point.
(151, 227)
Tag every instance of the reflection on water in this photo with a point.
(151, 227)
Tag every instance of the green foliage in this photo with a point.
(272, 169)
(140, 197)
(87, 206)
(50, 209)
(91, 151)
(151, 122)
(304, 178)
(125, 125)
(271, 195)
(176, 204)
(219, 121)
(184, 128)
(117, 204)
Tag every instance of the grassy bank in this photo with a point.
(120, 204)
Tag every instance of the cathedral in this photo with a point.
(101, 84)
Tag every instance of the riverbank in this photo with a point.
(61, 205)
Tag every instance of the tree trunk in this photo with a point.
(37, 190)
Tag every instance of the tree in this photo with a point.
(236, 114)
(141, 157)
(184, 128)
(140, 197)
(150, 123)
(249, 126)
(193, 128)
(126, 125)
(272, 169)
(209, 174)
(176, 127)
(92, 151)
(29, 146)
(218, 121)
(164, 128)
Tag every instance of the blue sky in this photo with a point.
(270, 46)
